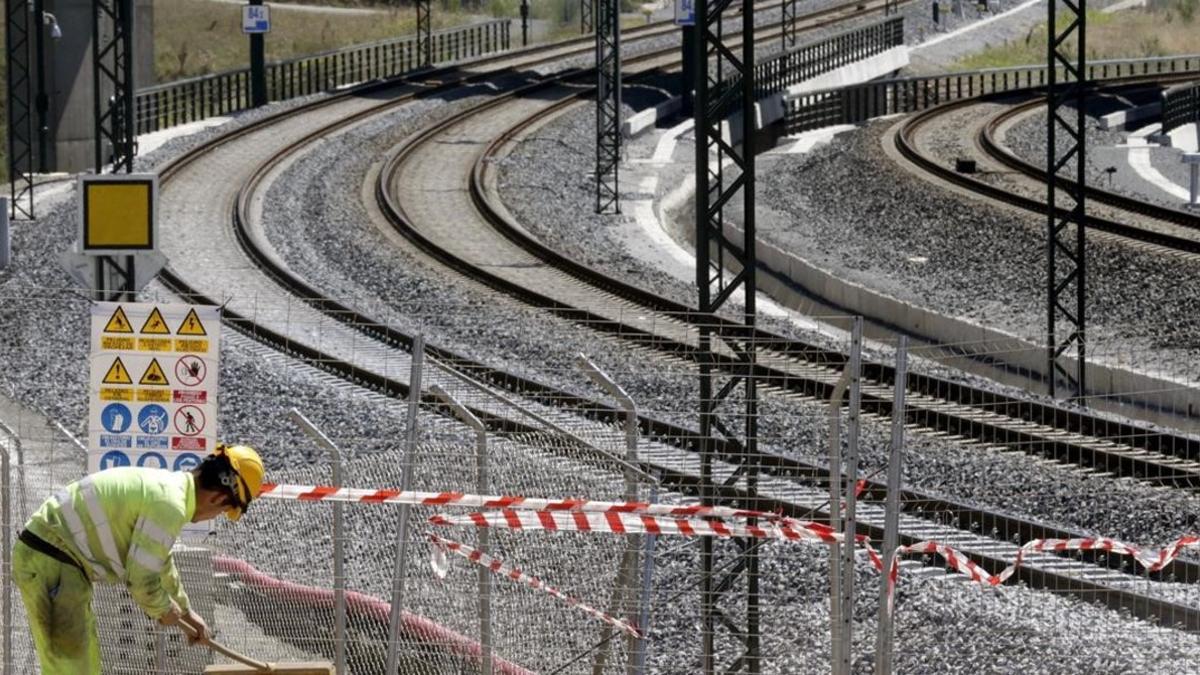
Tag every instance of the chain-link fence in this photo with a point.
(983, 469)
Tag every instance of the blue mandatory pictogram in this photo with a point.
(113, 458)
(152, 460)
(187, 461)
(116, 418)
(152, 419)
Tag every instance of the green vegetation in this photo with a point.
(1163, 28)
(195, 37)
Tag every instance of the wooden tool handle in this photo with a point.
(194, 631)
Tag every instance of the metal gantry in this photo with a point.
(425, 32)
(18, 26)
(1066, 277)
(112, 74)
(724, 92)
(586, 14)
(788, 24)
(608, 106)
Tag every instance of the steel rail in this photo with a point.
(906, 146)
(1162, 469)
(986, 140)
(683, 437)
(396, 215)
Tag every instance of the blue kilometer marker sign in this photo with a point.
(256, 19)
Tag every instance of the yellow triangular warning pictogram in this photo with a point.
(191, 325)
(155, 324)
(117, 374)
(154, 375)
(118, 322)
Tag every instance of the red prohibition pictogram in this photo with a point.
(190, 370)
(189, 420)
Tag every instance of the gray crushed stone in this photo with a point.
(1024, 625)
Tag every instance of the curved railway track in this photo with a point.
(1013, 181)
(260, 296)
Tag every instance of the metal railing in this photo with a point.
(174, 103)
(1180, 106)
(777, 73)
(861, 102)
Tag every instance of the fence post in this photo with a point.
(339, 573)
(835, 502)
(481, 487)
(891, 523)
(5, 235)
(849, 524)
(6, 524)
(410, 452)
(626, 572)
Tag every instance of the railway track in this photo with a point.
(1013, 181)
(261, 294)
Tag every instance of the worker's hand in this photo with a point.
(201, 632)
(171, 617)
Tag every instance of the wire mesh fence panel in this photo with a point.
(988, 468)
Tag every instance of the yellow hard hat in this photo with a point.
(249, 469)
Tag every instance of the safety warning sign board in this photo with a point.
(153, 385)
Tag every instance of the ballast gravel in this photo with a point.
(1109, 166)
(937, 620)
(923, 244)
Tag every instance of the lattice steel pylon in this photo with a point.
(1066, 274)
(608, 106)
(425, 32)
(112, 69)
(586, 16)
(724, 87)
(788, 24)
(17, 26)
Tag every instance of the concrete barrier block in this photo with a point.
(648, 118)
(1123, 118)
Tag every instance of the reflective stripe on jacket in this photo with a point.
(120, 525)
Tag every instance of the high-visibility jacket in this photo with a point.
(120, 525)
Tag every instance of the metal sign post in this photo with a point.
(256, 20)
(116, 253)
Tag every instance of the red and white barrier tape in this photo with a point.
(633, 523)
(441, 568)
(344, 494)
(960, 563)
(695, 520)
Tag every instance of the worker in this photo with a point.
(118, 526)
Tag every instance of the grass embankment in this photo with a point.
(197, 37)
(1163, 28)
